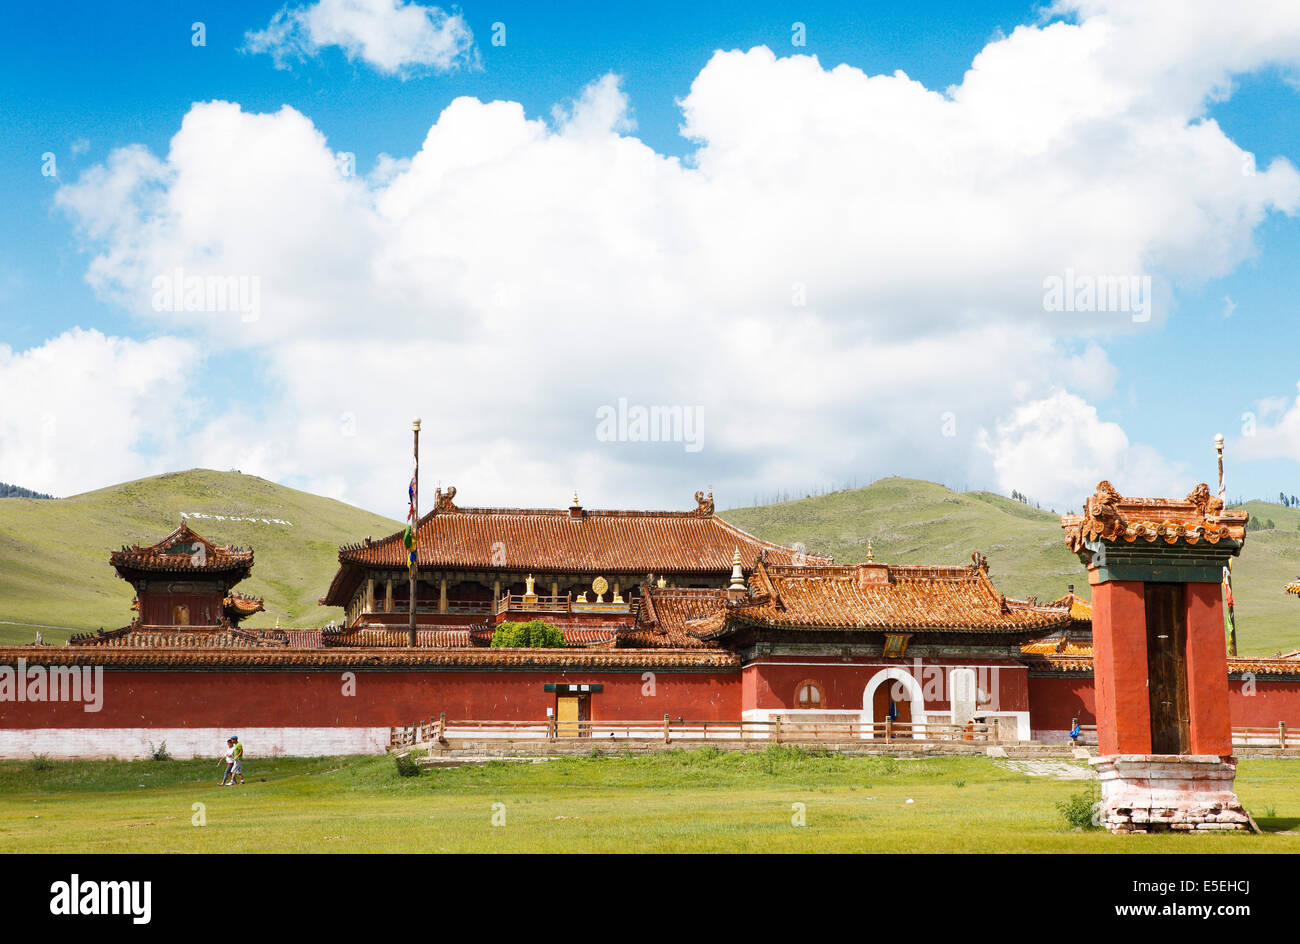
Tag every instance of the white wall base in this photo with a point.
(185, 743)
(1012, 722)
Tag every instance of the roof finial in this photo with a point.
(737, 575)
(575, 499)
(1218, 450)
(871, 552)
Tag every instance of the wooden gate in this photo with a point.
(570, 713)
(1167, 668)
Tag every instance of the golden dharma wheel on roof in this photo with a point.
(600, 585)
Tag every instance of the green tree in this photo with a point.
(535, 634)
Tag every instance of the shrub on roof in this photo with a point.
(535, 634)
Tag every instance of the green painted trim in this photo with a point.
(1158, 562)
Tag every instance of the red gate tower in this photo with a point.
(1160, 662)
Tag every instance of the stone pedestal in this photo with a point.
(1148, 793)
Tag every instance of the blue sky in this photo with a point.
(81, 80)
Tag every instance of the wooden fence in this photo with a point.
(1278, 736)
(780, 730)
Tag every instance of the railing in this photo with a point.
(476, 607)
(1263, 736)
(1278, 736)
(781, 730)
(544, 603)
(535, 604)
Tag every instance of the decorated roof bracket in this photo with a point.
(1154, 539)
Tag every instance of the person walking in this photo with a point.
(230, 762)
(237, 765)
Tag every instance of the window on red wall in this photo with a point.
(808, 694)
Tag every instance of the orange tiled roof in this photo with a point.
(240, 606)
(664, 614)
(192, 657)
(570, 540)
(1109, 516)
(1080, 609)
(136, 636)
(579, 637)
(880, 597)
(303, 638)
(183, 551)
(392, 637)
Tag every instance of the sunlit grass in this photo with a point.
(697, 801)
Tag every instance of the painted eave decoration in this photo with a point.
(1109, 516)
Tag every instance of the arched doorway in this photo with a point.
(896, 686)
(895, 703)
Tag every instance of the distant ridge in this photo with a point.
(54, 568)
(17, 491)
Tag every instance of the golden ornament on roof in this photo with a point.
(600, 585)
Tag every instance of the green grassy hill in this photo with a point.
(54, 569)
(915, 522)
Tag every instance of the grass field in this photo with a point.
(914, 522)
(697, 801)
(54, 570)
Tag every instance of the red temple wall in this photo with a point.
(156, 607)
(1057, 700)
(1207, 664)
(772, 683)
(1119, 639)
(138, 699)
(234, 698)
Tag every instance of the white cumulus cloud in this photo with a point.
(391, 36)
(1272, 431)
(845, 275)
(1055, 451)
(84, 409)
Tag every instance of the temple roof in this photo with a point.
(1080, 610)
(237, 606)
(451, 637)
(183, 552)
(1109, 516)
(876, 597)
(574, 540)
(136, 636)
(664, 614)
(282, 656)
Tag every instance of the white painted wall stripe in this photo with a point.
(185, 743)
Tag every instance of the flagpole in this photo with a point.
(1229, 614)
(415, 521)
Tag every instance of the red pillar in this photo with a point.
(1119, 641)
(1207, 671)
